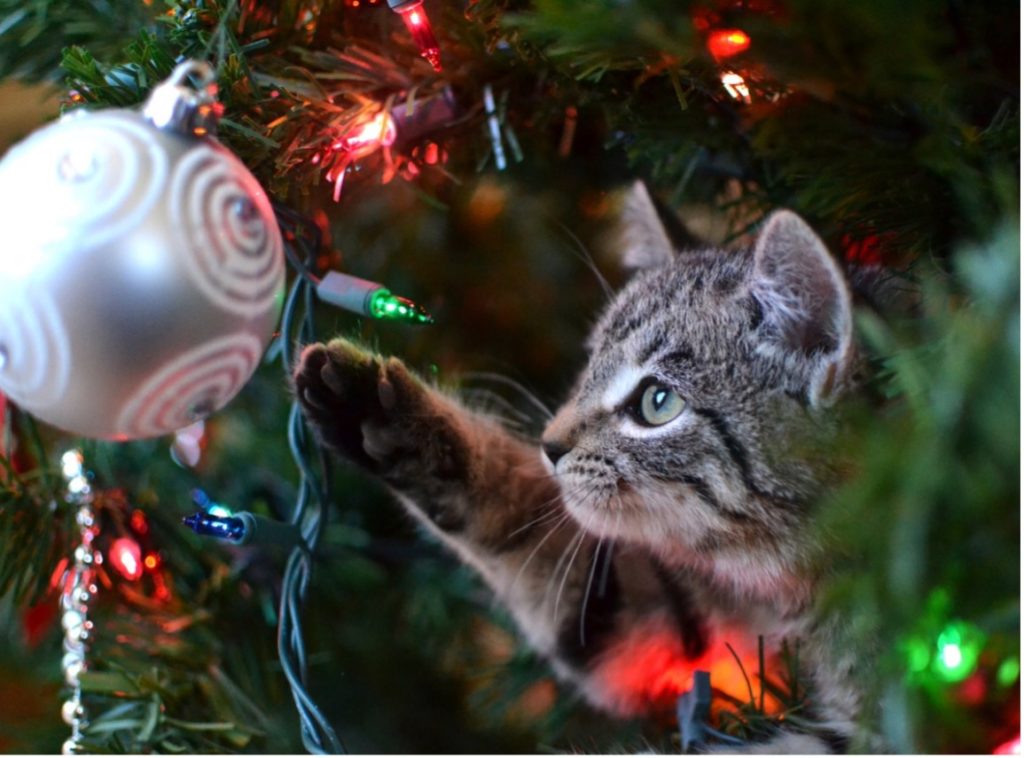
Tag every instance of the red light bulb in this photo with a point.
(126, 557)
(368, 136)
(138, 522)
(416, 21)
(725, 43)
(1011, 747)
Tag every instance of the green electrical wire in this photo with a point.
(318, 735)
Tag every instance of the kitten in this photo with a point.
(665, 516)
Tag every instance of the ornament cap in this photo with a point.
(175, 106)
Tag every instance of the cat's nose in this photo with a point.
(554, 451)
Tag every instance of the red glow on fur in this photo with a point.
(654, 671)
(649, 669)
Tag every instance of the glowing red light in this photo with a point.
(1010, 747)
(38, 620)
(126, 557)
(725, 43)
(650, 667)
(58, 573)
(368, 136)
(151, 561)
(139, 523)
(973, 690)
(418, 24)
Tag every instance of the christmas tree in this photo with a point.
(476, 169)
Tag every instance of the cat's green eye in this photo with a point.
(658, 405)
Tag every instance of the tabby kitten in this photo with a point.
(664, 514)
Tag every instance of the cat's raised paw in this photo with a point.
(336, 385)
(359, 404)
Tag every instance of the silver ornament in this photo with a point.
(143, 273)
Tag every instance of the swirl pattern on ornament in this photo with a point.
(110, 171)
(232, 248)
(35, 353)
(190, 387)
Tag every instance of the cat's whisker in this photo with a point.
(551, 511)
(607, 568)
(584, 255)
(573, 545)
(586, 590)
(565, 552)
(532, 470)
(568, 569)
(570, 550)
(481, 396)
(522, 569)
(561, 497)
(536, 402)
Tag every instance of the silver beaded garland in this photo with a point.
(78, 589)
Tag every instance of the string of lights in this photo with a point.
(297, 327)
(302, 240)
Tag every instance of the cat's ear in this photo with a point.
(644, 242)
(804, 297)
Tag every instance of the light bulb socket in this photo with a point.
(349, 292)
(243, 528)
(175, 106)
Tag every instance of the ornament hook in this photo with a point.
(175, 106)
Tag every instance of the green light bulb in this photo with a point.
(1008, 671)
(384, 305)
(918, 655)
(958, 647)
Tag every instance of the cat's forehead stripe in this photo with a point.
(621, 386)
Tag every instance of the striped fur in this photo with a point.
(641, 548)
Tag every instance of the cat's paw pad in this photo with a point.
(402, 403)
(364, 406)
(336, 386)
(327, 376)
